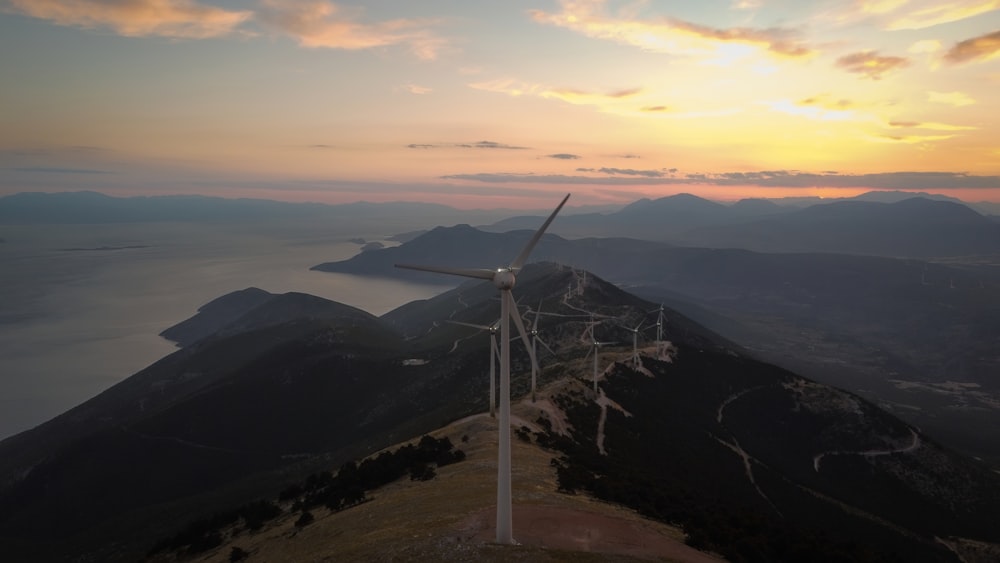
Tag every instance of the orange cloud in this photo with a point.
(929, 14)
(870, 64)
(933, 126)
(138, 18)
(982, 48)
(825, 102)
(317, 23)
(668, 35)
(584, 97)
(956, 99)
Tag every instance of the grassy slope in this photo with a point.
(451, 517)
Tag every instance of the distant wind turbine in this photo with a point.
(660, 319)
(636, 359)
(503, 278)
(493, 361)
(534, 350)
(595, 348)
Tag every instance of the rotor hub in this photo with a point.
(504, 279)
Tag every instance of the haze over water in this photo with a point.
(81, 306)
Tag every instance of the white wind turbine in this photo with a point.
(503, 278)
(493, 361)
(534, 350)
(595, 348)
(636, 359)
(660, 319)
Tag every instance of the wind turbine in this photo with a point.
(595, 346)
(534, 349)
(660, 319)
(493, 355)
(636, 359)
(503, 278)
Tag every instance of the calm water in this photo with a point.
(81, 307)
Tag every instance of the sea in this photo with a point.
(82, 306)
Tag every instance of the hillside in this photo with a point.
(915, 336)
(705, 430)
(425, 521)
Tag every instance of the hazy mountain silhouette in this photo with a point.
(914, 227)
(94, 207)
(295, 383)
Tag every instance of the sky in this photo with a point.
(500, 104)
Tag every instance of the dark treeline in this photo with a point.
(336, 491)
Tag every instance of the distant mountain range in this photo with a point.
(913, 227)
(876, 223)
(750, 460)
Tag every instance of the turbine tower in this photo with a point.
(493, 359)
(503, 278)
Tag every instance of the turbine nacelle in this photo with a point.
(504, 278)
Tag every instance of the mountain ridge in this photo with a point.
(238, 416)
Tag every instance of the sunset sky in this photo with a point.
(481, 104)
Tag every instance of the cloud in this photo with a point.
(957, 99)
(506, 86)
(870, 64)
(912, 139)
(583, 97)
(820, 108)
(138, 18)
(669, 35)
(56, 170)
(654, 109)
(769, 178)
(321, 24)
(977, 49)
(925, 46)
(414, 89)
(625, 172)
(564, 156)
(932, 126)
(928, 14)
(896, 15)
(491, 145)
(476, 145)
(516, 88)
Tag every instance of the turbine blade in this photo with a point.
(542, 342)
(480, 273)
(516, 317)
(480, 327)
(494, 351)
(523, 256)
(588, 353)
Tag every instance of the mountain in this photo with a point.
(902, 332)
(94, 207)
(662, 219)
(877, 223)
(750, 460)
(915, 227)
